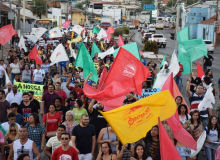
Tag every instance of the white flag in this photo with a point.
(85, 40)
(78, 29)
(21, 44)
(164, 73)
(84, 34)
(33, 38)
(207, 100)
(55, 33)
(59, 55)
(73, 53)
(7, 80)
(38, 31)
(108, 52)
(101, 34)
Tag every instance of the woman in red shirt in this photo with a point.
(51, 121)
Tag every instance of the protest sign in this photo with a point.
(26, 87)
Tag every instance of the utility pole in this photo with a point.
(23, 16)
(216, 29)
(46, 10)
(177, 24)
(71, 11)
(67, 11)
(19, 18)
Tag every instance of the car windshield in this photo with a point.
(158, 36)
(208, 42)
(145, 27)
(105, 24)
(152, 27)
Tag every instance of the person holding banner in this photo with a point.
(38, 75)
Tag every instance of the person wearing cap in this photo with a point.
(19, 118)
(77, 89)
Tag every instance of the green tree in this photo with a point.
(39, 8)
(87, 3)
(79, 5)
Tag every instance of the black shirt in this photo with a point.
(62, 111)
(208, 61)
(153, 149)
(126, 101)
(25, 111)
(98, 121)
(36, 103)
(196, 81)
(84, 138)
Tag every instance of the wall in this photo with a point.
(76, 18)
(208, 29)
(56, 13)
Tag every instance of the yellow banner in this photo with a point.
(75, 40)
(132, 122)
(26, 87)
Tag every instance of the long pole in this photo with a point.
(19, 18)
(177, 24)
(10, 23)
(23, 16)
(46, 10)
(67, 12)
(216, 29)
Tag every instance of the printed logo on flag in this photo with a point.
(129, 70)
(58, 54)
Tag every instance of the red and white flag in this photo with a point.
(6, 33)
(78, 29)
(102, 34)
(55, 33)
(59, 55)
(35, 55)
(38, 31)
(66, 24)
(21, 44)
(120, 41)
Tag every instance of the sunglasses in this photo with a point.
(64, 139)
(13, 130)
(22, 149)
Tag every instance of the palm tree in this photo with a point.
(39, 8)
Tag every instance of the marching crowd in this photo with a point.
(72, 127)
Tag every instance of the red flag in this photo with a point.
(102, 78)
(126, 75)
(6, 33)
(200, 71)
(120, 41)
(167, 148)
(179, 132)
(109, 37)
(141, 52)
(66, 24)
(35, 55)
(110, 30)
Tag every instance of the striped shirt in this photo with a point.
(195, 100)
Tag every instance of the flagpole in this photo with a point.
(177, 24)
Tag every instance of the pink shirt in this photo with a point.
(1, 138)
(217, 154)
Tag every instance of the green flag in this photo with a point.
(164, 59)
(183, 34)
(84, 61)
(95, 30)
(132, 48)
(187, 67)
(95, 49)
(191, 50)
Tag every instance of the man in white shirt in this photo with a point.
(11, 119)
(8, 89)
(14, 96)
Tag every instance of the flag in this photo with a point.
(78, 29)
(95, 30)
(164, 73)
(191, 50)
(84, 61)
(55, 33)
(7, 80)
(38, 32)
(85, 40)
(122, 78)
(110, 30)
(102, 47)
(35, 55)
(208, 99)
(132, 48)
(101, 34)
(73, 53)
(95, 49)
(141, 52)
(33, 38)
(200, 143)
(187, 67)
(109, 37)
(166, 145)
(183, 34)
(78, 39)
(58, 55)
(84, 34)
(162, 62)
(108, 52)
(120, 41)
(131, 122)
(200, 71)
(179, 132)
(6, 33)
(66, 24)
(102, 78)
(21, 44)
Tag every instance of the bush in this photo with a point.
(150, 46)
(118, 31)
(126, 30)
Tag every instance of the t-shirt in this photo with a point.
(78, 113)
(79, 91)
(208, 61)
(98, 121)
(62, 111)
(63, 95)
(126, 101)
(6, 126)
(48, 100)
(52, 121)
(63, 87)
(196, 81)
(26, 111)
(184, 119)
(84, 138)
(1, 69)
(54, 143)
(153, 149)
(60, 154)
(71, 103)
(180, 72)
(26, 75)
(213, 137)
(38, 75)
(15, 68)
(4, 106)
(34, 101)
(19, 119)
(45, 67)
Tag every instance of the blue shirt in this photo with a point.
(19, 119)
(144, 62)
(63, 63)
(219, 81)
(73, 80)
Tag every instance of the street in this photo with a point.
(169, 51)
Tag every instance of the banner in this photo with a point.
(147, 92)
(26, 87)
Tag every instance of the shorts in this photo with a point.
(184, 151)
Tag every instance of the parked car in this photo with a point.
(160, 37)
(209, 45)
(146, 37)
(152, 28)
(132, 26)
(144, 30)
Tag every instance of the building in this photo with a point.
(78, 18)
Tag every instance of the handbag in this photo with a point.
(51, 133)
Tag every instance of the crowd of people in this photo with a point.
(67, 124)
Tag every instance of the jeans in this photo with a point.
(206, 67)
(28, 81)
(13, 76)
(38, 147)
(210, 153)
(35, 82)
(87, 156)
(204, 121)
(3, 81)
(179, 81)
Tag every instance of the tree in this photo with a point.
(87, 3)
(79, 5)
(39, 8)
